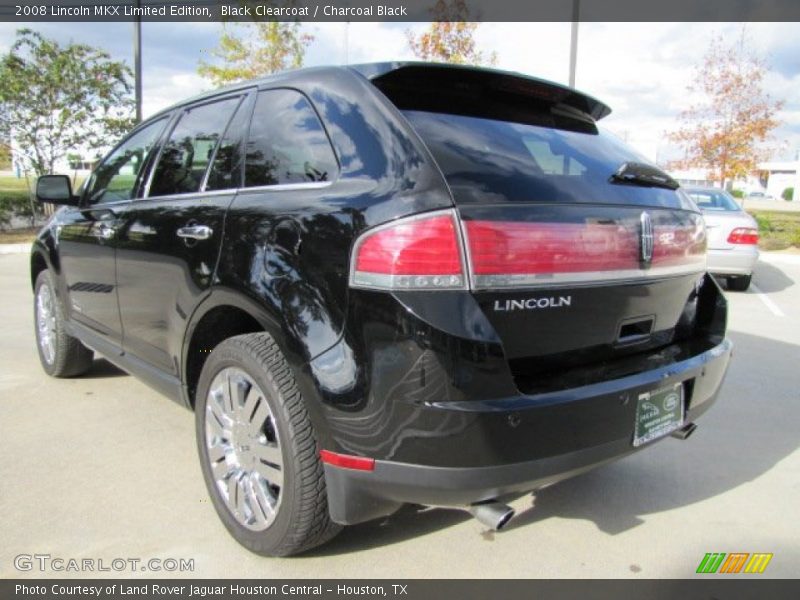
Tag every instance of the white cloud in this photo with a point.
(640, 69)
(166, 87)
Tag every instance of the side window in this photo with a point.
(115, 178)
(190, 148)
(287, 143)
(226, 170)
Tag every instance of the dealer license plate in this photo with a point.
(658, 413)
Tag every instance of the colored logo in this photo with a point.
(735, 562)
(670, 402)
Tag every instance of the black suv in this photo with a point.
(386, 284)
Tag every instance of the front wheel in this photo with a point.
(61, 354)
(739, 284)
(258, 452)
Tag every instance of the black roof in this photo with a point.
(540, 88)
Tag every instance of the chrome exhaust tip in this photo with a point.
(492, 514)
(684, 432)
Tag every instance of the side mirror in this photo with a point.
(55, 189)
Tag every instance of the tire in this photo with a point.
(61, 354)
(267, 483)
(739, 284)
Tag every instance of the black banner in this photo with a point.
(251, 589)
(400, 10)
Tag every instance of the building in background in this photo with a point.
(770, 180)
(774, 177)
(693, 177)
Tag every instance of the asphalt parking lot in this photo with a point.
(102, 467)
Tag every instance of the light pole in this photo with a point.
(137, 62)
(347, 42)
(573, 41)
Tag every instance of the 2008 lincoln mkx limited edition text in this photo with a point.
(385, 284)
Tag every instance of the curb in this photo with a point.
(15, 248)
(780, 257)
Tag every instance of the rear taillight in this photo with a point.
(743, 235)
(509, 254)
(417, 253)
(503, 248)
(426, 252)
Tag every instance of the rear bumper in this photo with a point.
(736, 261)
(357, 496)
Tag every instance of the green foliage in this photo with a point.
(14, 199)
(74, 159)
(788, 194)
(764, 223)
(737, 193)
(5, 156)
(251, 50)
(777, 230)
(55, 98)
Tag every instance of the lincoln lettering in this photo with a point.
(532, 303)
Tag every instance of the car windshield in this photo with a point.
(713, 200)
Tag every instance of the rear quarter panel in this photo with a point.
(289, 249)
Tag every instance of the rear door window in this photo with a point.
(287, 143)
(227, 169)
(190, 149)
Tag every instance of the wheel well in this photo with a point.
(217, 325)
(38, 264)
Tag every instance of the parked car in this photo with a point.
(386, 284)
(732, 236)
(758, 195)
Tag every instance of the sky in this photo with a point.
(641, 70)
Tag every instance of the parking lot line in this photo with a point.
(774, 308)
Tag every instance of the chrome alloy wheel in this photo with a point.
(46, 323)
(243, 448)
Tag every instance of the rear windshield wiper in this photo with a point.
(634, 173)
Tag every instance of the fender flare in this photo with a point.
(43, 247)
(224, 296)
(292, 349)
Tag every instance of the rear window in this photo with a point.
(713, 200)
(488, 160)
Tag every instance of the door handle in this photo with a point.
(195, 232)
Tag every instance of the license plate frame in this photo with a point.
(659, 412)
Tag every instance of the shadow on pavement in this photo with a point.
(102, 369)
(407, 523)
(770, 278)
(751, 428)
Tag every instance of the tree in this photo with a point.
(5, 155)
(726, 133)
(450, 37)
(268, 47)
(56, 98)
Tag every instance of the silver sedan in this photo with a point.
(732, 236)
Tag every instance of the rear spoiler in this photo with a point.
(408, 84)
